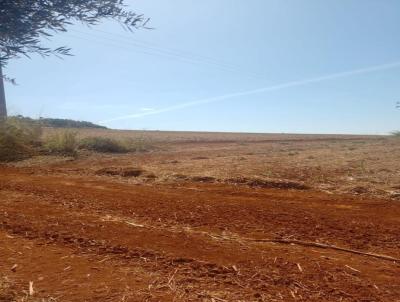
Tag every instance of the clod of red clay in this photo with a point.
(251, 182)
(124, 172)
(149, 175)
(203, 179)
(181, 177)
(359, 190)
(269, 184)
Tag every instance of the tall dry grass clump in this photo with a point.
(110, 145)
(21, 138)
(102, 144)
(18, 139)
(62, 143)
(395, 134)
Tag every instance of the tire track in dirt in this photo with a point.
(197, 269)
(59, 273)
(190, 265)
(218, 275)
(343, 221)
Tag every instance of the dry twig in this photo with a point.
(326, 246)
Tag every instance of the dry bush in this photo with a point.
(18, 139)
(21, 138)
(110, 145)
(102, 144)
(63, 143)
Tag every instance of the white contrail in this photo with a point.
(258, 90)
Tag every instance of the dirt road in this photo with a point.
(90, 239)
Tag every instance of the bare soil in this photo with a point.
(206, 217)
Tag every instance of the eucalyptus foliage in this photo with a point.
(23, 23)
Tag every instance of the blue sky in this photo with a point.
(343, 57)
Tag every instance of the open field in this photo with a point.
(205, 217)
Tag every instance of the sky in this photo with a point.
(282, 66)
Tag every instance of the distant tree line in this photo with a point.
(59, 123)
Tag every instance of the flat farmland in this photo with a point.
(205, 217)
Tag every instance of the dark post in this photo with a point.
(3, 106)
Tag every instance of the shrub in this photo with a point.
(103, 144)
(136, 145)
(109, 145)
(18, 139)
(64, 143)
(396, 133)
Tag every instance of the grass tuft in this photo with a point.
(396, 133)
(18, 139)
(102, 144)
(109, 145)
(63, 143)
(22, 138)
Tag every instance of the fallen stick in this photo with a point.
(325, 246)
(352, 268)
(31, 291)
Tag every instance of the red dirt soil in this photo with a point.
(85, 238)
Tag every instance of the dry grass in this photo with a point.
(111, 145)
(8, 293)
(63, 143)
(333, 163)
(189, 136)
(360, 165)
(21, 139)
(103, 144)
(396, 133)
(18, 139)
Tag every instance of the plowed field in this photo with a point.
(195, 226)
